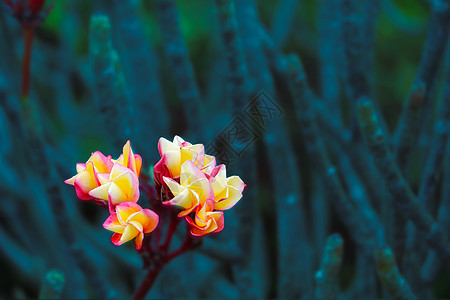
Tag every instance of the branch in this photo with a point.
(178, 58)
(327, 278)
(392, 280)
(110, 86)
(365, 234)
(405, 201)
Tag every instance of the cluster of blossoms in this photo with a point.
(185, 177)
(115, 183)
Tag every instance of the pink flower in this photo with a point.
(192, 190)
(104, 179)
(120, 185)
(206, 220)
(130, 221)
(227, 191)
(86, 178)
(175, 154)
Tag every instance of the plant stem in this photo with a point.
(28, 39)
(188, 244)
(170, 231)
(147, 283)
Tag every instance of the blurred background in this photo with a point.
(214, 72)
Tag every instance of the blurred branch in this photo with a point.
(365, 234)
(418, 103)
(53, 285)
(282, 21)
(110, 86)
(390, 276)
(177, 56)
(405, 200)
(327, 278)
(141, 67)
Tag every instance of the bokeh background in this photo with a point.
(176, 71)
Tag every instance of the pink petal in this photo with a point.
(118, 170)
(115, 239)
(129, 185)
(126, 154)
(187, 154)
(219, 220)
(148, 218)
(236, 182)
(102, 163)
(190, 221)
(180, 142)
(129, 233)
(136, 225)
(218, 186)
(126, 209)
(183, 199)
(190, 173)
(81, 167)
(165, 145)
(203, 188)
(200, 217)
(174, 186)
(131, 160)
(102, 178)
(84, 183)
(138, 164)
(101, 192)
(211, 226)
(216, 170)
(138, 241)
(199, 150)
(209, 164)
(172, 159)
(234, 196)
(71, 180)
(113, 224)
(116, 195)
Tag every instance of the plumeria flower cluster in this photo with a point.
(185, 178)
(115, 183)
(188, 178)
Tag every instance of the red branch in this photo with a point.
(147, 283)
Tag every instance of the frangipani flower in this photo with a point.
(120, 185)
(86, 179)
(193, 190)
(130, 221)
(177, 152)
(206, 220)
(227, 191)
(129, 159)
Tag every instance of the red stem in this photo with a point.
(170, 231)
(147, 283)
(28, 39)
(188, 244)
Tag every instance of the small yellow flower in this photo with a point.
(86, 178)
(130, 221)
